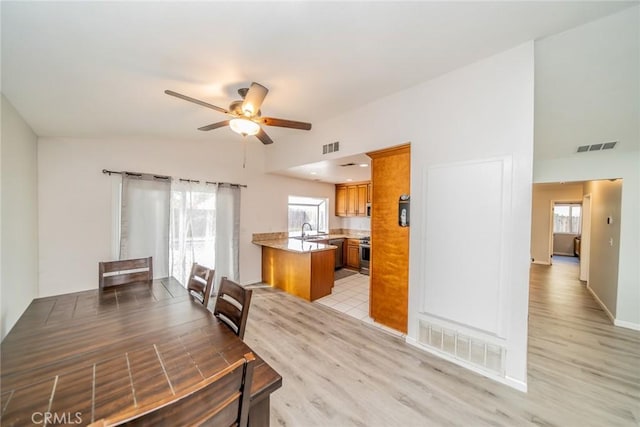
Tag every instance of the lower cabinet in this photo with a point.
(353, 253)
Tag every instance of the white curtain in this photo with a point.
(144, 226)
(227, 232)
(193, 227)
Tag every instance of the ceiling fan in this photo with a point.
(246, 115)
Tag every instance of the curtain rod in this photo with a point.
(138, 174)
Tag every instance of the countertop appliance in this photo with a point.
(365, 254)
(339, 252)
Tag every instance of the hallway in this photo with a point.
(574, 350)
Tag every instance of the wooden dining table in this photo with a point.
(84, 356)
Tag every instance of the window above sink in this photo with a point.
(311, 210)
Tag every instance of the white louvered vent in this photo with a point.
(597, 147)
(472, 350)
(332, 147)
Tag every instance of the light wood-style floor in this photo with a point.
(338, 371)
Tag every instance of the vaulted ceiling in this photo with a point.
(99, 69)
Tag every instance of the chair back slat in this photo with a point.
(232, 305)
(229, 314)
(200, 283)
(122, 272)
(123, 279)
(222, 399)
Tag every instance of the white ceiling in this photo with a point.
(99, 69)
(345, 169)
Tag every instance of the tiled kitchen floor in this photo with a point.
(350, 296)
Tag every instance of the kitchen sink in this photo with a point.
(311, 238)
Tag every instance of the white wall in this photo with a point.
(482, 111)
(543, 195)
(587, 90)
(75, 198)
(19, 230)
(606, 197)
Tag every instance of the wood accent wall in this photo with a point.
(389, 269)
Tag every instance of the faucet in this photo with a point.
(310, 229)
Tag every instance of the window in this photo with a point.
(308, 209)
(567, 218)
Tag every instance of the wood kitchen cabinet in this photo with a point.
(353, 253)
(352, 199)
(341, 200)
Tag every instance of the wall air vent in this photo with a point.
(474, 350)
(597, 147)
(331, 147)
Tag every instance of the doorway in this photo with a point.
(565, 229)
(581, 220)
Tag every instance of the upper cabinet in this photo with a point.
(341, 201)
(352, 199)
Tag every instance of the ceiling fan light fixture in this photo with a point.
(244, 126)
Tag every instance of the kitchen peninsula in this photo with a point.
(301, 268)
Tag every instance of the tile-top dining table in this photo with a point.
(80, 357)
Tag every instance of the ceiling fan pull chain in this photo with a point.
(244, 151)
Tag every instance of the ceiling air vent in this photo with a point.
(331, 147)
(348, 164)
(597, 147)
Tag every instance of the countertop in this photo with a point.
(295, 245)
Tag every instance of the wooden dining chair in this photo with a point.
(232, 305)
(200, 283)
(116, 273)
(220, 400)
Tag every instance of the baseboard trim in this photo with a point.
(604, 307)
(628, 325)
(541, 262)
(511, 382)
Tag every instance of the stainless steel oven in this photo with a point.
(365, 255)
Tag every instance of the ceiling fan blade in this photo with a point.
(262, 136)
(195, 101)
(272, 121)
(215, 125)
(253, 99)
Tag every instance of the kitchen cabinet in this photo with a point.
(352, 199)
(362, 200)
(303, 269)
(353, 253)
(389, 271)
(341, 200)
